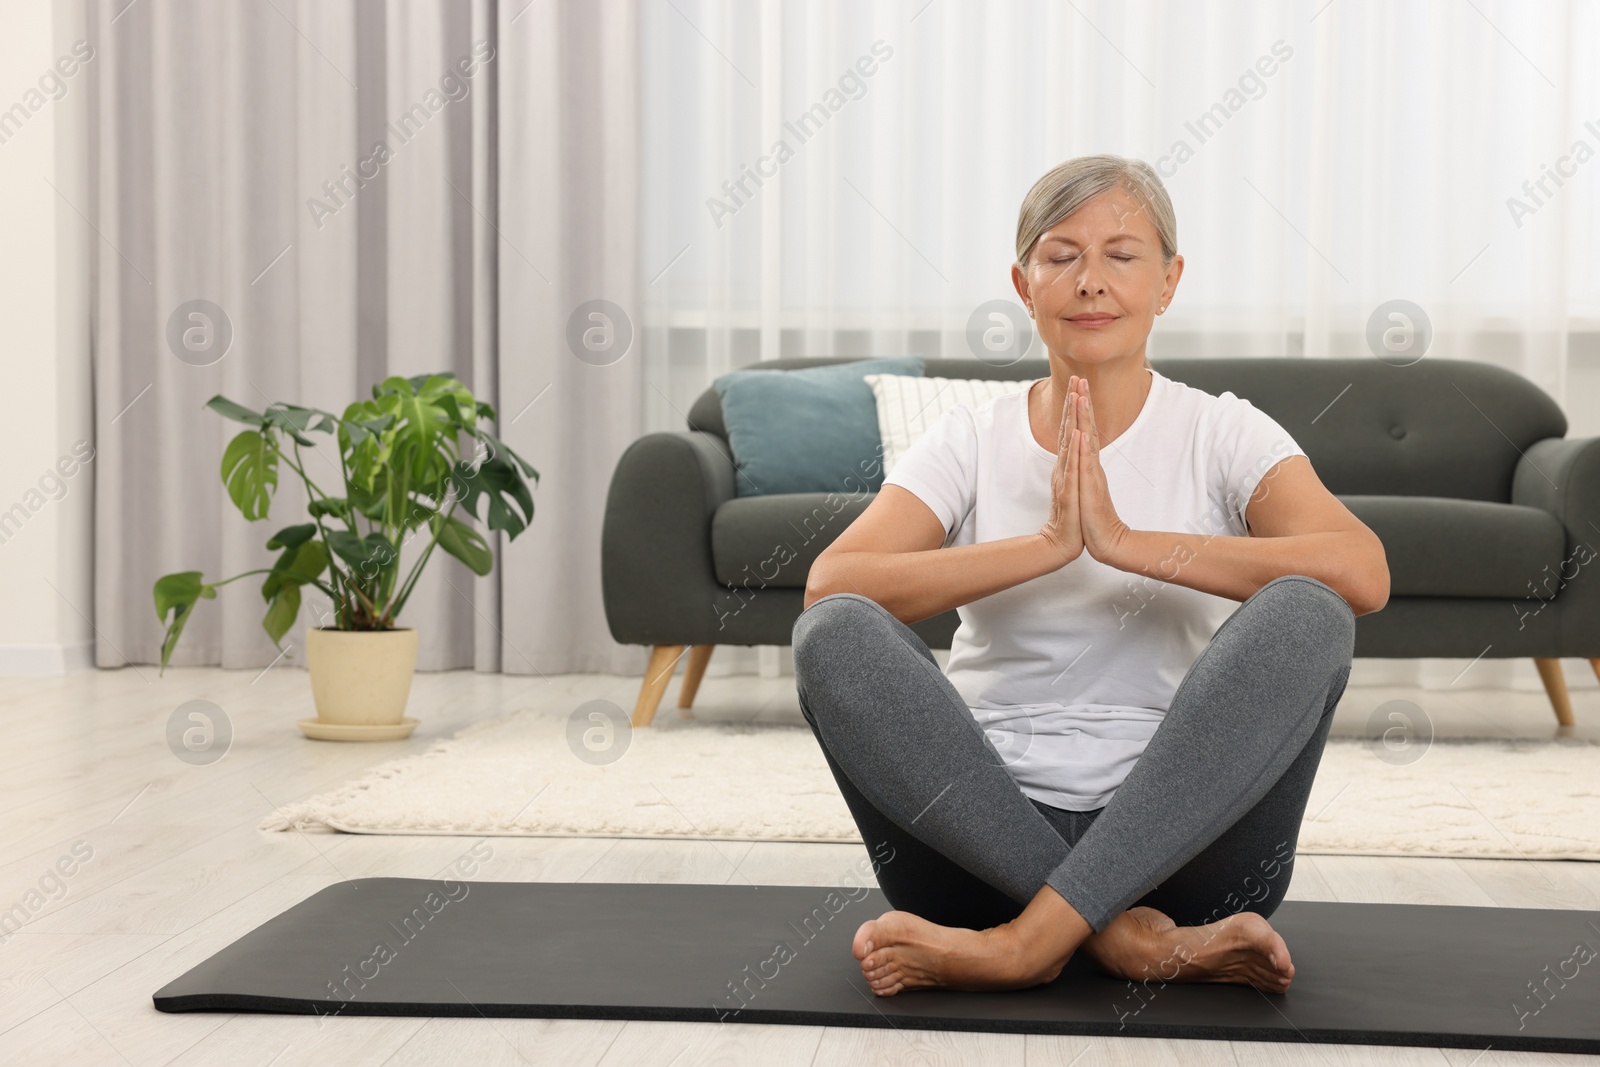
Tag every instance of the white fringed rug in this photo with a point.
(689, 779)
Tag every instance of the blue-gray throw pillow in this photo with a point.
(813, 430)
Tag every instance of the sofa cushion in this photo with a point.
(804, 431)
(770, 540)
(907, 406)
(1438, 546)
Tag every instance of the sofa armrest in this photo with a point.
(655, 544)
(1561, 475)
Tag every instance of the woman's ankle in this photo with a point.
(1041, 940)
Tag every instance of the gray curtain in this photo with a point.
(233, 160)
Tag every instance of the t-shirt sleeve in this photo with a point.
(940, 468)
(1249, 444)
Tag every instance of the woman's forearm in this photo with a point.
(1350, 562)
(914, 586)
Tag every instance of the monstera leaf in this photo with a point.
(281, 613)
(367, 556)
(296, 421)
(302, 560)
(250, 471)
(465, 544)
(329, 507)
(498, 480)
(177, 594)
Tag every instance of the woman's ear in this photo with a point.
(1019, 280)
(1174, 272)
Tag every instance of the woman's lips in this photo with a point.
(1092, 322)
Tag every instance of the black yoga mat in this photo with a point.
(1389, 974)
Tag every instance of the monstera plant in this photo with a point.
(408, 463)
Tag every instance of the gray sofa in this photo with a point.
(1486, 511)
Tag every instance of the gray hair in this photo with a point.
(1068, 186)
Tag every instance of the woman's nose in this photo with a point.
(1089, 281)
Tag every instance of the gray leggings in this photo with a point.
(1205, 824)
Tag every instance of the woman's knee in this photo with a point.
(1315, 594)
(1322, 618)
(832, 621)
(840, 623)
(826, 638)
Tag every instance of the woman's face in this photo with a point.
(1095, 280)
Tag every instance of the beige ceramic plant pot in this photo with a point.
(361, 677)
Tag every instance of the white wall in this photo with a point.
(46, 555)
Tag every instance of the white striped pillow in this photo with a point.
(909, 404)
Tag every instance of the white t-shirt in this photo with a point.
(1070, 673)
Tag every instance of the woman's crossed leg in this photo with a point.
(1174, 879)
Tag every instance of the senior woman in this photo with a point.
(1117, 757)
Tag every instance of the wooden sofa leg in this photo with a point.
(1595, 663)
(693, 671)
(1555, 687)
(663, 660)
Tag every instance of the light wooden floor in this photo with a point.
(179, 870)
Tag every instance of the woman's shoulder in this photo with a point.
(1224, 425)
(1207, 409)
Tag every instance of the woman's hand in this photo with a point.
(1062, 530)
(1103, 533)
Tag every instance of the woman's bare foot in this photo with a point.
(899, 950)
(1143, 944)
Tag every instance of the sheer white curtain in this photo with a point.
(844, 178)
(233, 158)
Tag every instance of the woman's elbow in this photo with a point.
(811, 596)
(1372, 578)
(1371, 599)
(817, 579)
